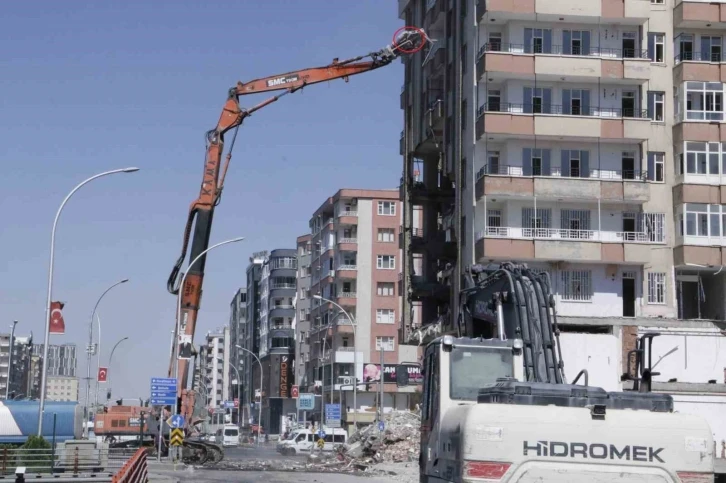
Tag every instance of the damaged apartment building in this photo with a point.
(584, 139)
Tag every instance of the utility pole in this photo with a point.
(380, 396)
(10, 360)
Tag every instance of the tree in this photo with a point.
(35, 453)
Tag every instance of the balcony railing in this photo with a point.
(348, 213)
(348, 240)
(565, 234)
(600, 52)
(558, 110)
(282, 306)
(275, 286)
(347, 267)
(347, 295)
(556, 172)
(699, 57)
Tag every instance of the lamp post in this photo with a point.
(110, 358)
(10, 360)
(239, 385)
(177, 329)
(259, 417)
(90, 354)
(355, 357)
(44, 369)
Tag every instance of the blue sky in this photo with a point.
(91, 86)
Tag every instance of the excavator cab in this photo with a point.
(640, 364)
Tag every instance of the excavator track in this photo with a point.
(201, 452)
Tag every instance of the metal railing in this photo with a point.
(347, 267)
(348, 213)
(347, 295)
(566, 234)
(556, 172)
(699, 57)
(73, 460)
(599, 52)
(348, 240)
(275, 286)
(559, 110)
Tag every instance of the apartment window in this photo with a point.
(576, 42)
(385, 289)
(536, 224)
(386, 262)
(385, 343)
(656, 47)
(537, 100)
(711, 48)
(537, 41)
(387, 208)
(463, 115)
(703, 220)
(703, 159)
(656, 106)
(495, 41)
(464, 173)
(494, 100)
(494, 222)
(575, 164)
(576, 102)
(536, 162)
(656, 167)
(702, 101)
(575, 223)
(386, 235)
(385, 316)
(577, 285)
(657, 2)
(656, 288)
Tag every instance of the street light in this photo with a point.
(44, 369)
(239, 386)
(90, 354)
(108, 374)
(259, 417)
(179, 301)
(355, 357)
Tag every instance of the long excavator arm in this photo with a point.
(201, 211)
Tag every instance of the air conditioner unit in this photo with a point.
(345, 380)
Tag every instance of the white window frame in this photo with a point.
(387, 343)
(391, 262)
(576, 285)
(385, 316)
(659, 161)
(658, 100)
(693, 149)
(656, 288)
(702, 213)
(386, 289)
(386, 235)
(387, 208)
(659, 40)
(704, 90)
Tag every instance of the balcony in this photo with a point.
(347, 299)
(632, 12)
(349, 217)
(349, 271)
(553, 182)
(593, 123)
(699, 14)
(421, 191)
(697, 66)
(505, 61)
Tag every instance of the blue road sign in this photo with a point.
(381, 425)
(332, 411)
(162, 394)
(306, 402)
(321, 434)
(163, 401)
(229, 404)
(157, 387)
(163, 381)
(177, 421)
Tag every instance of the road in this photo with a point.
(263, 452)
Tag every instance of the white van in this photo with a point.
(305, 441)
(228, 435)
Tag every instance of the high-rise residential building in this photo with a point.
(250, 334)
(237, 326)
(277, 335)
(62, 388)
(21, 371)
(355, 264)
(61, 359)
(215, 358)
(302, 309)
(582, 138)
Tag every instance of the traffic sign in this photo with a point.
(321, 433)
(177, 437)
(332, 415)
(163, 381)
(228, 404)
(162, 402)
(306, 402)
(163, 391)
(176, 421)
(295, 391)
(381, 425)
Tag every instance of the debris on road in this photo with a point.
(397, 443)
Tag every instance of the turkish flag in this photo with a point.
(57, 324)
(102, 374)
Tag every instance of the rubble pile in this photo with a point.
(398, 442)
